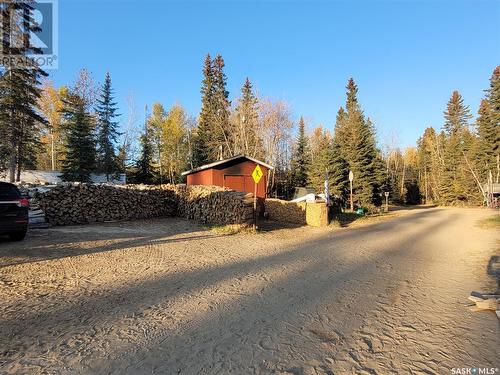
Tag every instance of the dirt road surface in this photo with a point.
(168, 296)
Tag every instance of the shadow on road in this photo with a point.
(310, 281)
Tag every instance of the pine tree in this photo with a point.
(79, 161)
(300, 158)
(487, 149)
(339, 173)
(457, 115)
(221, 126)
(20, 89)
(245, 139)
(456, 179)
(321, 160)
(489, 128)
(214, 128)
(107, 133)
(144, 170)
(493, 96)
(355, 139)
(203, 133)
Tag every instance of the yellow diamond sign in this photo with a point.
(257, 174)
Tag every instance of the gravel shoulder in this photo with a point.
(168, 296)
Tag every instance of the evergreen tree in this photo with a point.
(457, 115)
(339, 173)
(245, 139)
(321, 160)
(144, 171)
(20, 90)
(456, 178)
(214, 128)
(493, 96)
(79, 161)
(300, 158)
(355, 139)
(107, 133)
(221, 126)
(326, 162)
(489, 126)
(203, 134)
(487, 148)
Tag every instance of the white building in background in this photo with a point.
(52, 177)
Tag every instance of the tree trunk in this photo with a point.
(53, 157)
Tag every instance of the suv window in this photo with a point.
(8, 192)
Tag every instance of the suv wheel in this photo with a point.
(18, 236)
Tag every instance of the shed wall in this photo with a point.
(204, 177)
(237, 176)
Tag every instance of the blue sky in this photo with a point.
(406, 56)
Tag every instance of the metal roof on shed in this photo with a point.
(224, 161)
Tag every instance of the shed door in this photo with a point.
(235, 182)
(245, 183)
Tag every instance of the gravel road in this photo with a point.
(168, 296)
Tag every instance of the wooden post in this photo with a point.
(255, 207)
(350, 197)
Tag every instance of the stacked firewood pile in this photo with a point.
(73, 203)
(285, 211)
(215, 205)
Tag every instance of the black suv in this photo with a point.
(13, 212)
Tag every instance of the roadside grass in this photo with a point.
(230, 229)
(492, 222)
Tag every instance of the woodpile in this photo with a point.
(214, 205)
(311, 213)
(74, 203)
(285, 211)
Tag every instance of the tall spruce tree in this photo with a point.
(203, 133)
(144, 170)
(221, 126)
(489, 130)
(245, 138)
(493, 96)
(301, 158)
(107, 133)
(339, 173)
(487, 149)
(327, 163)
(455, 186)
(20, 88)
(80, 157)
(214, 130)
(321, 160)
(355, 139)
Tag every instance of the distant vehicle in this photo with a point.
(13, 212)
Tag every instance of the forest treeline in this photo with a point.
(77, 129)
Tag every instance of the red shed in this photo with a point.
(234, 173)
